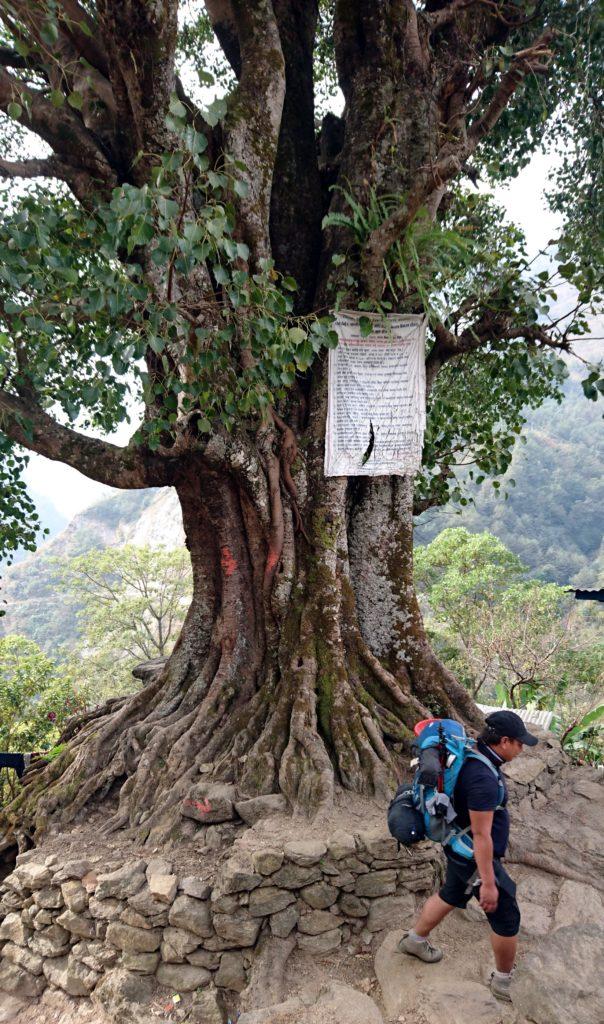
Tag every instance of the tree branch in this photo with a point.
(48, 167)
(487, 328)
(9, 58)
(63, 130)
(140, 40)
(296, 213)
(533, 59)
(222, 18)
(254, 117)
(87, 41)
(28, 425)
(449, 162)
(449, 13)
(413, 41)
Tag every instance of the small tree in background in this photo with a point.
(507, 637)
(134, 601)
(37, 697)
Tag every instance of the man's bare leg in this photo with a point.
(433, 912)
(504, 951)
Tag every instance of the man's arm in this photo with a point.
(481, 823)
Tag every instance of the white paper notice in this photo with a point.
(377, 396)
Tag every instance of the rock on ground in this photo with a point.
(450, 992)
(578, 904)
(332, 1003)
(53, 1008)
(457, 1001)
(561, 980)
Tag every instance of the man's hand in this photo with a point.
(482, 823)
(489, 897)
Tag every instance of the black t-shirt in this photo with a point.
(477, 789)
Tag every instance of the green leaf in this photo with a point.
(156, 343)
(193, 232)
(241, 188)
(196, 141)
(142, 232)
(57, 98)
(177, 108)
(216, 111)
(168, 208)
(366, 326)
(49, 32)
(304, 355)
(589, 390)
(15, 110)
(75, 100)
(296, 335)
(216, 180)
(221, 274)
(588, 721)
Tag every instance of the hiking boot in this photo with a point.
(422, 949)
(500, 987)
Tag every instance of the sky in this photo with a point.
(523, 199)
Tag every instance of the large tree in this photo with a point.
(187, 258)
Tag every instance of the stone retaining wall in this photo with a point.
(70, 926)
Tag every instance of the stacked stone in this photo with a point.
(330, 890)
(67, 926)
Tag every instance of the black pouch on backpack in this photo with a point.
(405, 822)
(429, 767)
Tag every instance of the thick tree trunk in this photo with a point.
(302, 665)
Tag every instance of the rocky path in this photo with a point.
(558, 818)
(393, 988)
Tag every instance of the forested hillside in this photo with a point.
(33, 605)
(552, 518)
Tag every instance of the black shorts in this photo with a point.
(505, 919)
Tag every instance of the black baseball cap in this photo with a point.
(508, 723)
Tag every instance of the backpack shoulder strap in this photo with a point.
(485, 760)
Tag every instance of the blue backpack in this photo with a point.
(425, 809)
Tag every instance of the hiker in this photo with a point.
(20, 762)
(479, 799)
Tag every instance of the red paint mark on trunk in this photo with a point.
(271, 559)
(227, 561)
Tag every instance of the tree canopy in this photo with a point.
(95, 316)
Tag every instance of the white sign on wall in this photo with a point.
(377, 396)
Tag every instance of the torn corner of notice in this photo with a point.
(376, 413)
